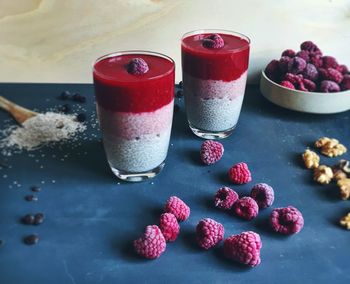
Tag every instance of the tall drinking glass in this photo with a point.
(135, 99)
(214, 70)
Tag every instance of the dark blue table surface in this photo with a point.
(92, 218)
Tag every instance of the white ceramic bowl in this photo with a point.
(311, 102)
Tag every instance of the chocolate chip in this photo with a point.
(65, 95)
(31, 239)
(31, 197)
(35, 188)
(38, 218)
(179, 94)
(176, 108)
(28, 219)
(81, 117)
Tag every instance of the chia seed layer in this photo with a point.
(136, 142)
(213, 105)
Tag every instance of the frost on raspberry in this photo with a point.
(225, 197)
(209, 233)
(177, 207)
(287, 220)
(169, 226)
(246, 208)
(211, 152)
(240, 173)
(152, 244)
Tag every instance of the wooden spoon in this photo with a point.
(19, 113)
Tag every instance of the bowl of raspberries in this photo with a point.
(307, 81)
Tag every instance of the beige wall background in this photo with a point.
(57, 40)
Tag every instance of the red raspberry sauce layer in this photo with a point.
(117, 90)
(226, 64)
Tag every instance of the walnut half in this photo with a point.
(311, 159)
(344, 185)
(330, 147)
(345, 221)
(323, 174)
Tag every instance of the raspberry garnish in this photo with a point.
(263, 194)
(329, 87)
(240, 173)
(213, 41)
(137, 66)
(177, 207)
(209, 233)
(246, 208)
(244, 248)
(287, 84)
(287, 220)
(225, 197)
(152, 244)
(169, 226)
(296, 65)
(211, 152)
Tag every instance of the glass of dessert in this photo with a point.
(214, 72)
(135, 99)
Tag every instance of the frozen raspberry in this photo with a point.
(310, 47)
(304, 54)
(322, 73)
(137, 66)
(343, 69)
(287, 84)
(309, 85)
(263, 194)
(345, 84)
(211, 152)
(152, 244)
(288, 52)
(209, 233)
(310, 72)
(316, 60)
(329, 87)
(177, 207)
(273, 71)
(287, 220)
(334, 75)
(244, 248)
(240, 173)
(301, 87)
(225, 197)
(296, 65)
(294, 79)
(246, 208)
(329, 62)
(169, 226)
(283, 63)
(213, 41)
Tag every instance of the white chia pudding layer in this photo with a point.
(213, 105)
(136, 142)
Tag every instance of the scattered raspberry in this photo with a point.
(272, 70)
(329, 62)
(309, 85)
(225, 197)
(287, 84)
(310, 72)
(169, 226)
(288, 52)
(329, 87)
(304, 54)
(213, 41)
(177, 207)
(310, 47)
(209, 233)
(334, 75)
(244, 248)
(287, 220)
(296, 65)
(211, 152)
(239, 173)
(343, 69)
(263, 194)
(137, 66)
(283, 63)
(345, 84)
(152, 244)
(246, 208)
(316, 60)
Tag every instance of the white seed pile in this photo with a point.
(41, 130)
